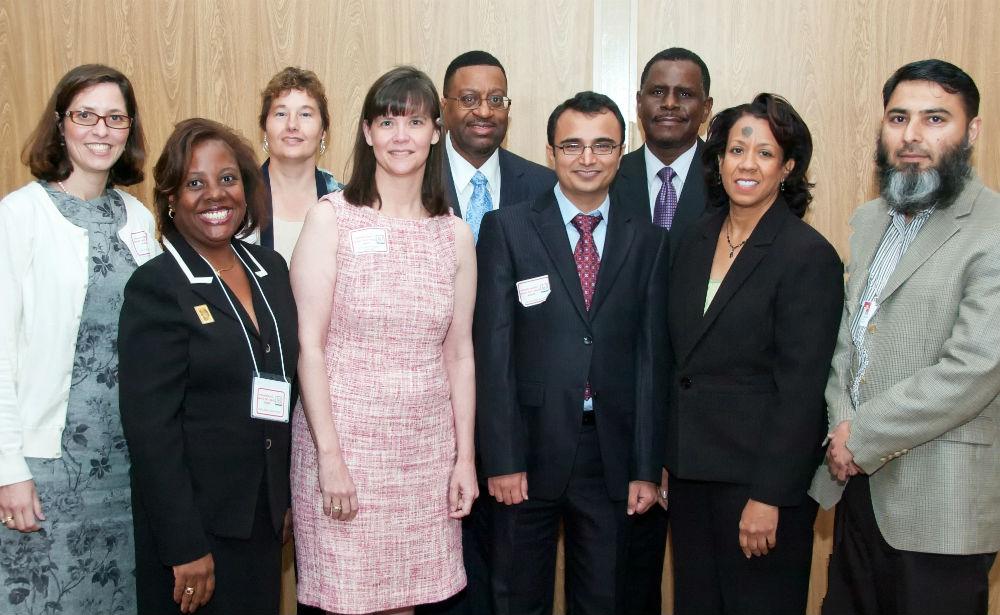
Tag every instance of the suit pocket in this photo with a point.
(531, 394)
(980, 430)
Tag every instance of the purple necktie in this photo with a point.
(588, 262)
(666, 199)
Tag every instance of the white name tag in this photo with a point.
(140, 243)
(369, 240)
(868, 309)
(533, 290)
(271, 399)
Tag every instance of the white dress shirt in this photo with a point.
(462, 172)
(681, 166)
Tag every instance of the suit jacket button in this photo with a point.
(882, 459)
(685, 383)
(587, 340)
(871, 328)
(267, 444)
(267, 349)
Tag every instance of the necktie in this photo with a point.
(587, 262)
(666, 199)
(479, 203)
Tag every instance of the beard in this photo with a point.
(909, 190)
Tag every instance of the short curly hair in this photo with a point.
(294, 78)
(788, 129)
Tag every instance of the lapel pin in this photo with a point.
(204, 315)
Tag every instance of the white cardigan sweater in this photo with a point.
(44, 269)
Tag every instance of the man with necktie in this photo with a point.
(664, 181)
(569, 338)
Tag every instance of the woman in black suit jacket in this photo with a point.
(754, 306)
(208, 345)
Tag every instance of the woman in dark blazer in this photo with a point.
(208, 346)
(754, 306)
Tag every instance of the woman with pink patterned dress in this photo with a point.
(385, 277)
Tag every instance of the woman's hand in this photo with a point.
(663, 493)
(286, 527)
(758, 528)
(20, 508)
(462, 489)
(340, 497)
(194, 583)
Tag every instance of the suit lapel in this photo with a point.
(548, 222)
(450, 194)
(631, 183)
(868, 230)
(510, 182)
(935, 232)
(198, 273)
(617, 243)
(692, 200)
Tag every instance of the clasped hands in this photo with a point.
(513, 489)
(839, 459)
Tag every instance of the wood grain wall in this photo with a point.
(211, 58)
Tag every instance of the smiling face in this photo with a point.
(401, 143)
(210, 206)
(475, 133)
(294, 126)
(752, 167)
(672, 106)
(95, 149)
(922, 123)
(585, 178)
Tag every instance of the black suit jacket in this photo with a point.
(747, 401)
(631, 187)
(198, 459)
(532, 363)
(520, 180)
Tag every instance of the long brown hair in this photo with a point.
(402, 90)
(45, 151)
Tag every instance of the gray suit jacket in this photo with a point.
(926, 426)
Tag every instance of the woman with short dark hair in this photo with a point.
(68, 243)
(208, 347)
(755, 301)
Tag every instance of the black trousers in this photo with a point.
(869, 577)
(711, 574)
(475, 599)
(525, 535)
(643, 568)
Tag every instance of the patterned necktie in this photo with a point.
(588, 262)
(666, 199)
(479, 203)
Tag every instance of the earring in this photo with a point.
(782, 187)
(266, 146)
(170, 212)
(322, 146)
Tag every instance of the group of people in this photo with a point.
(471, 351)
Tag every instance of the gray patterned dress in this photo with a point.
(82, 561)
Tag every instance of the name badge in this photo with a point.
(533, 290)
(140, 243)
(271, 398)
(868, 309)
(369, 241)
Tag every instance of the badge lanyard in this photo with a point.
(270, 398)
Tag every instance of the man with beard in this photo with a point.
(479, 175)
(663, 181)
(914, 390)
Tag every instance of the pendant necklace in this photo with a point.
(733, 248)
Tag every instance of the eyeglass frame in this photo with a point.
(71, 116)
(583, 148)
(505, 100)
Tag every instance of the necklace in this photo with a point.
(733, 248)
(62, 187)
(224, 269)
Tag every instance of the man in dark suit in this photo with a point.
(480, 176)
(672, 103)
(569, 338)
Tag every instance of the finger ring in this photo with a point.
(337, 508)
(663, 493)
(8, 520)
(189, 591)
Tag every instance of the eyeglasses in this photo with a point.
(471, 101)
(118, 121)
(576, 149)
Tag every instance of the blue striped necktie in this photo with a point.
(479, 204)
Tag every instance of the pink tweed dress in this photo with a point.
(391, 406)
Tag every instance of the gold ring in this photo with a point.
(8, 520)
(189, 591)
(337, 508)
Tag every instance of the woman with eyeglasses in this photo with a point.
(68, 243)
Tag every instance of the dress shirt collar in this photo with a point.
(569, 210)
(681, 166)
(462, 171)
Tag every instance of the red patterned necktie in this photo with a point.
(588, 262)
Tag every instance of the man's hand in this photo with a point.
(509, 488)
(758, 528)
(641, 496)
(839, 459)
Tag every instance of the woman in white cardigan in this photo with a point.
(68, 243)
